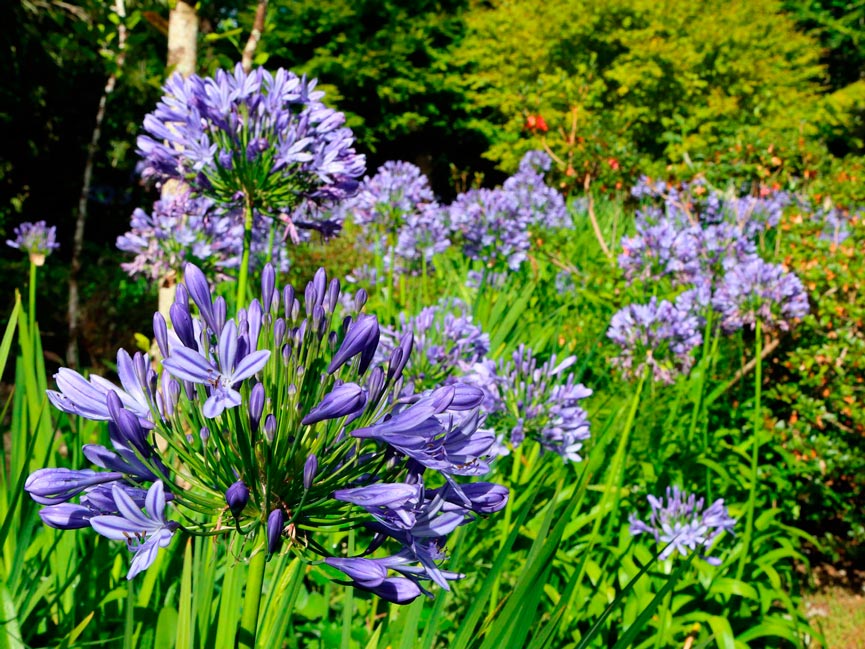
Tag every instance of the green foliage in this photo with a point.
(648, 81)
(384, 65)
(820, 386)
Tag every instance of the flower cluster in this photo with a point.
(399, 216)
(543, 403)
(658, 335)
(184, 229)
(279, 420)
(756, 289)
(705, 245)
(682, 525)
(264, 137)
(446, 341)
(36, 239)
(495, 224)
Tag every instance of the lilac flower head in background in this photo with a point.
(398, 216)
(446, 343)
(756, 289)
(496, 224)
(680, 523)
(542, 401)
(36, 239)
(264, 136)
(657, 335)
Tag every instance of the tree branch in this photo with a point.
(92, 149)
(254, 36)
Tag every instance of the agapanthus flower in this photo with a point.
(36, 239)
(266, 137)
(496, 224)
(680, 524)
(447, 342)
(278, 418)
(542, 401)
(757, 290)
(398, 217)
(144, 533)
(657, 335)
(183, 229)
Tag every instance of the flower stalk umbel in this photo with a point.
(281, 428)
(260, 141)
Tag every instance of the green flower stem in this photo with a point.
(252, 599)
(756, 426)
(32, 304)
(243, 275)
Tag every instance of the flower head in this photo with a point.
(264, 136)
(657, 335)
(681, 524)
(302, 430)
(755, 290)
(36, 239)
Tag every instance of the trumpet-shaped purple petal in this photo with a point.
(143, 533)
(54, 486)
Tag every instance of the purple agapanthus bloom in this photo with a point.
(755, 290)
(264, 136)
(680, 523)
(496, 224)
(545, 400)
(657, 335)
(144, 533)
(399, 217)
(36, 239)
(223, 375)
(446, 341)
(283, 418)
(86, 398)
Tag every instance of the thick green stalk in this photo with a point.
(252, 599)
(757, 426)
(243, 275)
(32, 304)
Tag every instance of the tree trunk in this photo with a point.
(254, 36)
(72, 358)
(183, 38)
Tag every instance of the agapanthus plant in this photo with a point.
(680, 524)
(280, 428)
(36, 239)
(658, 335)
(263, 142)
